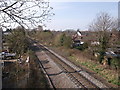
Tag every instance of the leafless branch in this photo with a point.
(103, 22)
(27, 13)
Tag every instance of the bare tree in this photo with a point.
(27, 13)
(103, 24)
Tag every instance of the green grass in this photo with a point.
(108, 74)
(111, 77)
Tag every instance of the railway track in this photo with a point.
(79, 77)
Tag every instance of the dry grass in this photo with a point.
(81, 58)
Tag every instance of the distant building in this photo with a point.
(77, 39)
(7, 32)
(95, 43)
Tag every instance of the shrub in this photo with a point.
(17, 41)
(45, 36)
(115, 63)
(67, 42)
(101, 56)
(82, 47)
(63, 40)
(57, 40)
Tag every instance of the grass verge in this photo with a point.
(81, 60)
(110, 75)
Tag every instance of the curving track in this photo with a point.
(80, 78)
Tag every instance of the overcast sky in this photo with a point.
(78, 15)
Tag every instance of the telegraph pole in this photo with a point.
(0, 58)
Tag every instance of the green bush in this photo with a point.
(63, 40)
(115, 63)
(79, 47)
(82, 47)
(67, 42)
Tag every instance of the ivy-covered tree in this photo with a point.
(17, 41)
(103, 24)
